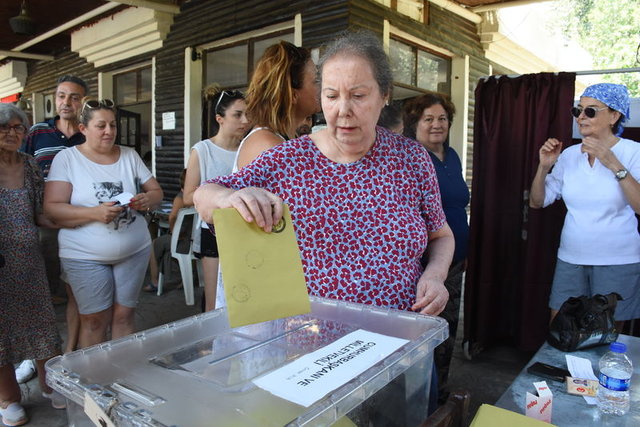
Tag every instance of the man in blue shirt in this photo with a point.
(46, 139)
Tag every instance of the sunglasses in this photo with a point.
(5, 129)
(590, 112)
(230, 93)
(94, 104)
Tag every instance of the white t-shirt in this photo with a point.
(600, 227)
(94, 183)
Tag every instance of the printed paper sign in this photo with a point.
(169, 120)
(311, 377)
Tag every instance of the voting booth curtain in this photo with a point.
(512, 250)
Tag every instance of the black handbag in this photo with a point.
(584, 322)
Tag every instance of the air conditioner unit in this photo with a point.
(49, 106)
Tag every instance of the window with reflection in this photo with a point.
(133, 86)
(416, 67)
(132, 94)
(231, 66)
(228, 66)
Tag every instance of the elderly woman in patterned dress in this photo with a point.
(364, 201)
(27, 319)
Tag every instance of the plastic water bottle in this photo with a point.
(615, 376)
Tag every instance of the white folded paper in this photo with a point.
(581, 368)
(123, 198)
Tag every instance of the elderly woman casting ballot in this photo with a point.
(598, 180)
(364, 201)
(98, 188)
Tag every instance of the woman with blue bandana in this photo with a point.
(599, 248)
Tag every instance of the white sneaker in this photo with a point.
(13, 415)
(25, 371)
(58, 401)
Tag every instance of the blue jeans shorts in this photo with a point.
(571, 280)
(97, 285)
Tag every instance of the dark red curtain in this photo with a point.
(512, 249)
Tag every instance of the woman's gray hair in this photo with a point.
(366, 45)
(10, 111)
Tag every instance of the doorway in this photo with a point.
(132, 91)
(129, 129)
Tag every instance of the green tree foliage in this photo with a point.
(609, 30)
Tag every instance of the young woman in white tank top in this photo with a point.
(211, 158)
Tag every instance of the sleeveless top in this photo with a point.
(235, 161)
(213, 161)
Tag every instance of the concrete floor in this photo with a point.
(486, 377)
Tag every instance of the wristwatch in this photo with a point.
(622, 174)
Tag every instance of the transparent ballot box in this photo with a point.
(199, 372)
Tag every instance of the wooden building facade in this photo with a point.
(181, 59)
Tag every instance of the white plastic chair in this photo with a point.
(182, 249)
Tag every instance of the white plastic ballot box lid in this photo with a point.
(198, 371)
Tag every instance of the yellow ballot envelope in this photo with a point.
(262, 272)
(492, 416)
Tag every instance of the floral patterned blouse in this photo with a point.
(361, 227)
